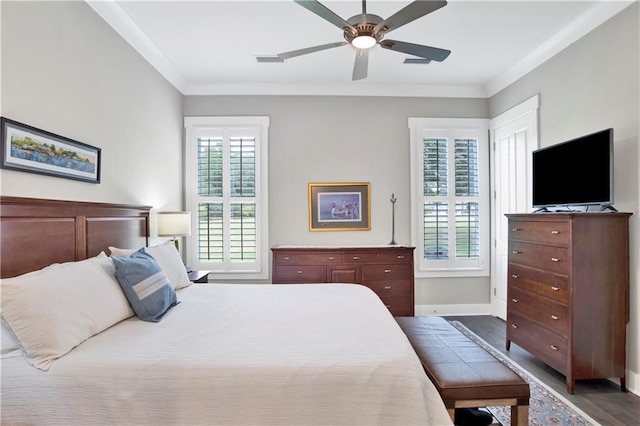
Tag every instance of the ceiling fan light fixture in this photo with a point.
(363, 42)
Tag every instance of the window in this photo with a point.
(226, 172)
(450, 196)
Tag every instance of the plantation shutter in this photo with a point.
(232, 213)
(227, 185)
(450, 196)
(436, 213)
(466, 188)
(243, 191)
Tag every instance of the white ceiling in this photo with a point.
(210, 47)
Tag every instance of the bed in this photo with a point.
(225, 354)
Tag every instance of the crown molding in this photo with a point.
(339, 89)
(122, 23)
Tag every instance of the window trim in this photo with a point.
(259, 269)
(419, 129)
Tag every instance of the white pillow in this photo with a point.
(8, 346)
(169, 260)
(53, 310)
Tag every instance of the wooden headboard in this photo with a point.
(36, 232)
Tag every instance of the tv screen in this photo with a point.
(576, 172)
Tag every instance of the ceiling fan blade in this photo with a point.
(417, 61)
(426, 52)
(269, 59)
(409, 13)
(300, 52)
(325, 13)
(361, 65)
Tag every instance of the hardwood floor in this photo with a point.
(600, 399)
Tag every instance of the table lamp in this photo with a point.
(174, 224)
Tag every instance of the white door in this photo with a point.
(514, 136)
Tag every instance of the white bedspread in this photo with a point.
(325, 354)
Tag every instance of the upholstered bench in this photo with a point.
(465, 374)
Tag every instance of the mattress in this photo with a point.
(236, 354)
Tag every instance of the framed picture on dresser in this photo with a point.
(339, 206)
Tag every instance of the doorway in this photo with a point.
(514, 136)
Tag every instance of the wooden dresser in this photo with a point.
(387, 270)
(568, 291)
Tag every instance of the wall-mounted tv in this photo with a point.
(575, 172)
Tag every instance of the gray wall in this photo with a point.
(592, 85)
(346, 139)
(66, 71)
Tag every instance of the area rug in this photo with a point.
(546, 406)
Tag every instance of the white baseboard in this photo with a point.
(444, 310)
(633, 382)
(633, 378)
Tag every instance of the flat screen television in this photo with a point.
(575, 172)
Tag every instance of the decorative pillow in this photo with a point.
(169, 260)
(53, 310)
(145, 284)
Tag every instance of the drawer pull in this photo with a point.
(555, 288)
(515, 229)
(516, 252)
(356, 257)
(331, 257)
(555, 259)
(400, 256)
(555, 317)
(514, 276)
(286, 258)
(555, 232)
(299, 272)
(555, 348)
(515, 300)
(514, 325)
(387, 287)
(386, 271)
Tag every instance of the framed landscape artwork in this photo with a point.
(27, 149)
(339, 206)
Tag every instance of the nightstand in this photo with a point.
(198, 276)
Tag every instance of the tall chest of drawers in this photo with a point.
(568, 291)
(387, 270)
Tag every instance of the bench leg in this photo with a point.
(519, 415)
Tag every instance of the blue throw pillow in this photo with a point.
(145, 285)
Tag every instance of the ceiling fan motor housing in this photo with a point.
(363, 24)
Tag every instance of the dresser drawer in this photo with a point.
(542, 232)
(545, 345)
(540, 282)
(306, 258)
(552, 314)
(399, 306)
(399, 256)
(386, 271)
(548, 258)
(391, 288)
(301, 273)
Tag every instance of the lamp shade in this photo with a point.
(174, 224)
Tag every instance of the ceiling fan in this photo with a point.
(365, 30)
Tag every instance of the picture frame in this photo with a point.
(28, 149)
(339, 206)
